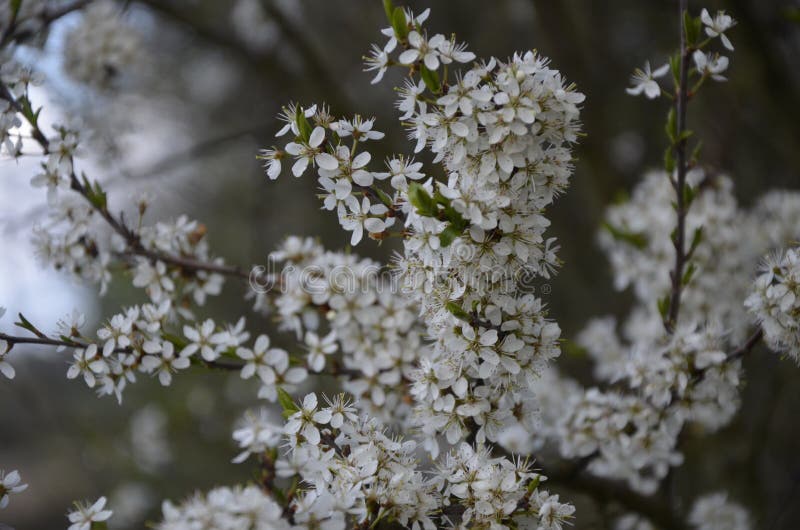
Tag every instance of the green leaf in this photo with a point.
(573, 349)
(457, 311)
(431, 79)
(638, 240)
(792, 14)
(421, 200)
(689, 193)
(449, 234)
(288, 405)
(669, 160)
(688, 273)
(692, 28)
(399, 23)
(302, 124)
(15, 5)
(176, 340)
(696, 151)
(671, 127)
(696, 240)
(24, 323)
(663, 306)
(675, 67)
(388, 8)
(385, 199)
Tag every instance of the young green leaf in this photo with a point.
(399, 23)
(421, 200)
(448, 235)
(457, 311)
(288, 405)
(431, 79)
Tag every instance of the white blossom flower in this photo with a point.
(645, 81)
(89, 363)
(423, 49)
(306, 153)
(10, 483)
(256, 435)
(272, 161)
(318, 348)
(715, 512)
(378, 59)
(358, 128)
(165, 363)
(358, 216)
(203, 339)
(305, 420)
(717, 26)
(262, 360)
(710, 64)
(53, 180)
(84, 514)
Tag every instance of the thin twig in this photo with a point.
(681, 208)
(749, 344)
(132, 239)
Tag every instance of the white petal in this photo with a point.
(326, 161)
(317, 135)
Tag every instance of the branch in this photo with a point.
(681, 208)
(749, 344)
(47, 17)
(609, 491)
(117, 223)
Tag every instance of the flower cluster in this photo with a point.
(637, 242)
(270, 365)
(775, 302)
(453, 345)
(100, 49)
(494, 489)
(706, 65)
(419, 49)
(225, 509)
(624, 437)
(184, 238)
(715, 512)
(140, 340)
(359, 312)
(355, 471)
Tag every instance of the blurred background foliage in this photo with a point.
(185, 126)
